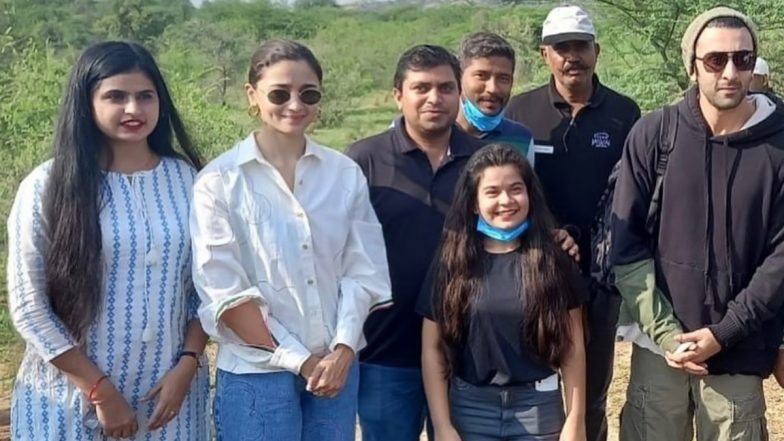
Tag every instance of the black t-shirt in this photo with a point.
(494, 353)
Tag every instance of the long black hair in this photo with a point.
(549, 286)
(72, 197)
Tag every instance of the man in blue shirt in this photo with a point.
(488, 64)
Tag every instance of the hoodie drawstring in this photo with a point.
(710, 288)
(728, 215)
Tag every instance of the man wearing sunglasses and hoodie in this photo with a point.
(705, 289)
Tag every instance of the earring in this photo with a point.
(253, 111)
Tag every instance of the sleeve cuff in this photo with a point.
(345, 337)
(289, 358)
(727, 332)
(235, 301)
(54, 353)
(381, 305)
(210, 313)
(668, 343)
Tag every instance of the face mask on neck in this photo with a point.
(479, 120)
(500, 234)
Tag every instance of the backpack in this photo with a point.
(602, 277)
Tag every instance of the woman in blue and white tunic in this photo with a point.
(99, 269)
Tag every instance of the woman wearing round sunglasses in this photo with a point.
(289, 260)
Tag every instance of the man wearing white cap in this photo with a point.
(579, 127)
(759, 81)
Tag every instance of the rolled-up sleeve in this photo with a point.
(28, 302)
(365, 284)
(633, 262)
(222, 282)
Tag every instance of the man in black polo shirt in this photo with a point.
(579, 128)
(412, 169)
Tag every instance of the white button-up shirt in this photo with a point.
(313, 259)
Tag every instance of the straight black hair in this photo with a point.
(484, 45)
(72, 196)
(425, 57)
(547, 272)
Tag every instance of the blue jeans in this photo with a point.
(494, 413)
(276, 407)
(392, 405)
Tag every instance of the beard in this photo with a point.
(723, 101)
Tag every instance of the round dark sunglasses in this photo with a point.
(715, 62)
(282, 96)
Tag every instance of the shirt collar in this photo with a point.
(599, 92)
(498, 131)
(247, 150)
(459, 141)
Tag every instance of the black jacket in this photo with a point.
(720, 246)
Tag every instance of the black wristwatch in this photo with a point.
(190, 354)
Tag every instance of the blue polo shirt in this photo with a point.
(514, 133)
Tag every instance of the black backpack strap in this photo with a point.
(664, 146)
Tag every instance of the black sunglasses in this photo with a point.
(715, 62)
(282, 96)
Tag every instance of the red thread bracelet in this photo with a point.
(95, 387)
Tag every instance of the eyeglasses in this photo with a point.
(715, 62)
(282, 96)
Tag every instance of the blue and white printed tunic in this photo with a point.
(148, 299)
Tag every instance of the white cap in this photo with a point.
(566, 23)
(761, 67)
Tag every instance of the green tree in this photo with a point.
(141, 20)
(661, 23)
(309, 4)
(219, 50)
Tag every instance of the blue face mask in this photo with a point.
(500, 234)
(478, 119)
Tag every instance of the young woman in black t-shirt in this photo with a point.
(503, 317)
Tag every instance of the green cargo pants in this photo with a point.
(666, 404)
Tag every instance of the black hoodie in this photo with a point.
(720, 246)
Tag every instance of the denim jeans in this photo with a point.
(520, 413)
(392, 405)
(276, 407)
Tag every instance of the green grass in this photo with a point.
(11, 350)
(360, 122)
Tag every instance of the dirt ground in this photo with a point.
(773, 393)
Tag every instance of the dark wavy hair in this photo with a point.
(72, 197)
(546, 269)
